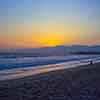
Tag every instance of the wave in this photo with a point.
(22, 62)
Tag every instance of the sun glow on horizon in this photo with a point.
(40, 23)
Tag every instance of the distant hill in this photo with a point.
(54, 51)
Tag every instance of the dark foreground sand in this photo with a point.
(81, 83)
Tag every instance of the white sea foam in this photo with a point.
(27, 71)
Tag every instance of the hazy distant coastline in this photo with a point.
(51, 51)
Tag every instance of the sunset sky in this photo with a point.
(39, 23)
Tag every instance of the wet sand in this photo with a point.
(81, 83)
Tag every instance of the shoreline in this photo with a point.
(35, 62)
(60, 84)
(28, 71)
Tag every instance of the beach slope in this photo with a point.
(80, 83)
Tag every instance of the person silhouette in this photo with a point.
(91, 62)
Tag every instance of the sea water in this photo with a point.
(21, 62)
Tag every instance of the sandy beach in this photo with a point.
(79, 83)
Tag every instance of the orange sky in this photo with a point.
(55, 22)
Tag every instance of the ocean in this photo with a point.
(21, 62)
